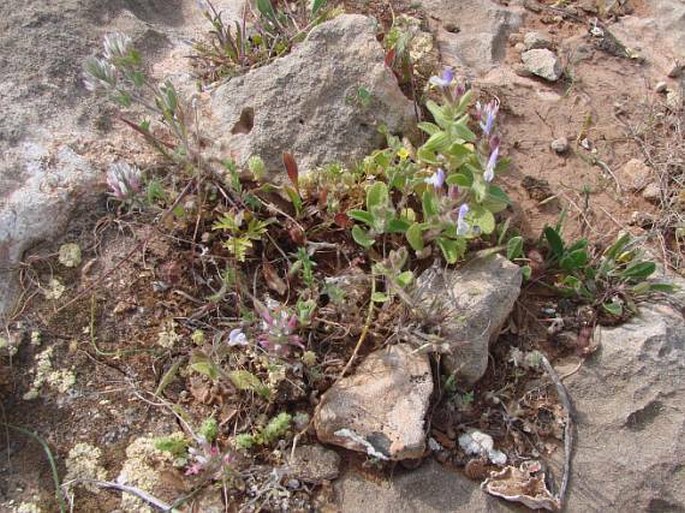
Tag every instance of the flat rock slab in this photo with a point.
(472, 303)
(630, 418)
(381, 408)
(429, 489)
(314, 464)
(323, 103)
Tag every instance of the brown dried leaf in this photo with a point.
(291, 169)
(273, 280)
(525, 484)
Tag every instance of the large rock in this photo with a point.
(630, 417)
(381, 409)
(323, 103)
(472, 34)
(473, 302)
(429, 489)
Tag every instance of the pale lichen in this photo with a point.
(168, 337)
(142, 469)
(83, 462)
(70, 255)
(61, 380)
(27, 507)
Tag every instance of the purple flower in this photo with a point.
(437, 179)
(237, 338)
(462, 225)
(123, 181)
(489, 173)
(487, 114)
(444, 80)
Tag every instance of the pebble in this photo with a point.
(543, 63)
(661, 87)
(560, 146)
(535, 41)
(652, 193)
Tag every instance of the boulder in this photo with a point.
(324, 102)
(473, 34)
(471, 303)
(629, 402)
(381, 408)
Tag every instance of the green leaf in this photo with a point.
(266, 9)
(515, 247)
(462, 131)
(451, 249)
(554, 241)
(438, 113)
(362, 216)
(460, 180)
(617, 247)
(438, 142)
(414, 236)
(316, 6)
(244, 380)
(200, 362)
(614, 309)
(429, 204)
(429, 128)
(397, 226)
(482, 218)
(459, 150)
(574, 260)
(362, 237)
(526, 271)
(405, 278)
(640, 270)
(427, 156)
(379, 297)
(377, 196)
(657, 287)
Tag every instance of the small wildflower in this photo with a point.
(489, 173)
(237, 338)
(124, 181)
(116, 45)
(444, 80)
(403, 153)
(437, 179)
(462, 225)
(487, 114)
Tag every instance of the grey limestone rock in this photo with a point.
(323, 103)
(543, 63)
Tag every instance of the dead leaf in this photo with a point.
(291, 169)
(525, 484)
(273, 280)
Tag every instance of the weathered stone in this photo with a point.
(429, 489)
(543, 63)
(559, 145)
(536, 40)
(635, 174)
(314, 464)
(474, 302)
(652, 192)
(661, 87)
(629, 402)
(380, 410)
(324, 102)
(478, 31)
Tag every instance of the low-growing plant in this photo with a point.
(442, 193)
(268, 32)
(611, 281)
(275, 429)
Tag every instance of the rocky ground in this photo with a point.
(591, 96)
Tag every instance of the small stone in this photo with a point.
(661, 87)
(560, 146)
(515, 38)
(543, 63)
(635, 174)
(521, 70)
(70, 255)
(520, 47)
(642, 219)
(536, 40)
(314, 464)
(652, 193)
(380, 410)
